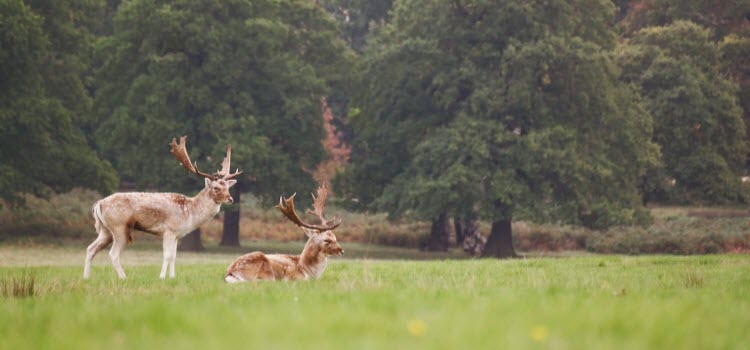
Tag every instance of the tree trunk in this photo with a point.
(458, 228)
(191, 242)
(500, 242)
(231, 235)
(439, 234)
(474, 241)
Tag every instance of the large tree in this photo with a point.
(240, 72)
(569, 145)
(476, 108)
(697, 120)
(43, 102)
(480, 110)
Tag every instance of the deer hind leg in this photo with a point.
(170, 253)
(120, 237)
(101, 242)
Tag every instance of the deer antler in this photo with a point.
(224, 172)
(286, 206)
(180, 152)
(319, 203)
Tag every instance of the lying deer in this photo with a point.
(169, 215)
(321, 243)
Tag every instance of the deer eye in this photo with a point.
(328, 241)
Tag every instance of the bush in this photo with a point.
(65, 215)
(548, 237)
(676, 235)
(259, 222)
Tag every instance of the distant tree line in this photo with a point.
(575, 112)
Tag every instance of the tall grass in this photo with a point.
(17, 285)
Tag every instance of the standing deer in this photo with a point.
(311, 263)
(169, 215)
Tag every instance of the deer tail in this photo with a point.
(96, 212)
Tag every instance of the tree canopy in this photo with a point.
(501, 109)
(575, 111)
(250, 74)
(697, 120)
(44, 103)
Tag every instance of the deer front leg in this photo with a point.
(174, 257)
(170, 252)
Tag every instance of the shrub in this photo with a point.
(548, 237)
(675, 236)
(66, 215)
(263, 223)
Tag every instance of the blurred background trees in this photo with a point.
(697, 120)
(446, 111)
(45, 108)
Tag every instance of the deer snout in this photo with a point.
(341, 251)
(230, 200)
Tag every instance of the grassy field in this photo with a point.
(595, 302)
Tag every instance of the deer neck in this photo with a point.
(312, 260)
(201, 207)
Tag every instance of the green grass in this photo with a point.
(594, 302)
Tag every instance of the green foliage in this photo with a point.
(697, 121)
(727, 21)
(67, 66)
(247, 73)
(735, 58)
(479, 107)
(724, 17)
(357, 18)
(43, 103)
(23, 45)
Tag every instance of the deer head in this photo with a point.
(319, 235)
(217, 184)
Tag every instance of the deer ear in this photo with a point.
(231, 183)
(208, 182)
